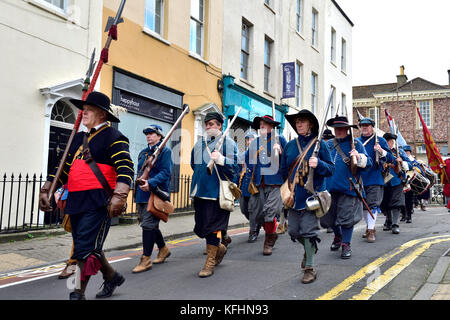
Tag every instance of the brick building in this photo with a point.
(401, 99)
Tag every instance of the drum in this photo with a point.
(417, 182)
(430, 175)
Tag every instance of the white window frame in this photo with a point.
(268, 45)
(298, 83)
(343, 55)
(314, 83)
(299, 16)
(427, 115)
(314, 28)
(245, 34)
(343, 102)
(333, 101)
(333, 46)
(202, 29)
(161, 18)
(50, 7)
(420, 149)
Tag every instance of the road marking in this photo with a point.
(368, 269)
(392, 272)
(35, 274)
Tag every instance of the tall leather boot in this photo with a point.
(221, 251)
(208, 268)
(371, 235)
(269, 242)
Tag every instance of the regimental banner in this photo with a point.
(288, 80)
(434, 156)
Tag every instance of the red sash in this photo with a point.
(81, 177)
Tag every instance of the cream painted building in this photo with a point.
(169, 53)
(46, 48)
(261, 35)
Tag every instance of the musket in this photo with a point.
(89, 86)
(377, 154)
(150, 162)
(309, 186)
(360, 197)
(354, 161)
(219, 143)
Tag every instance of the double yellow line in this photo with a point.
(386, 277)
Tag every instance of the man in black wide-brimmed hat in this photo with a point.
(265, 201)
(102, 153)
(346, 208)
(303, 223)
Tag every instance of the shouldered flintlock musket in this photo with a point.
(309, 186)
(151, 160)
(219, 144)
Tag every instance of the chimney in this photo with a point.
(448, 71)
(402, 78)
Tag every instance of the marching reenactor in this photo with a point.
(265, 202)
(346, 206)
(102, 153)
(244, 180)
(297, 159)
(410, 197)
(372, 178)
(393, 196)
(159, 177)
(210, 219)
(327, 135)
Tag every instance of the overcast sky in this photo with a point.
(391, 33)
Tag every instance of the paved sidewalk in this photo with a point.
(56, 245)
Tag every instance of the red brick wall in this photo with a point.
(405, 115)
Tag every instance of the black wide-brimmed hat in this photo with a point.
(99, 100)
(213, 115)
(389, 136)
(327, 134)
(267, 118)
(307, 115)
(340, 122)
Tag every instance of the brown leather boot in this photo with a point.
(221, 251)
(365, 234)
(371, 235)
(68, 270)
(144, 265)
(303, 265)
(208, 268)
(269, 242)
(163, 253)
(310, 275)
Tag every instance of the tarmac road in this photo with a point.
(396, 267)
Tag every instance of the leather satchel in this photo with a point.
(159, 208)
(287, 189)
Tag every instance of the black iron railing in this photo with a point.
(19, 203)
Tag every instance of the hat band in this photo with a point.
(344, 122)
(267, 117)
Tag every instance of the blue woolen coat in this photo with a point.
(395, 181)
(207, 186)
(325, 167)
(373, 175)
(339, 181)
(160, 174)
(262, 163)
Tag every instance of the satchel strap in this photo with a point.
(338, 148)
(94, 167)
(300, 158)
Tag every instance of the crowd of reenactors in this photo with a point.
(319, 179)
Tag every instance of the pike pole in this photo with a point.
(89, 87)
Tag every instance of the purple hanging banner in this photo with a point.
(288, 80)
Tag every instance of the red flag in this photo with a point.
(434, 156)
